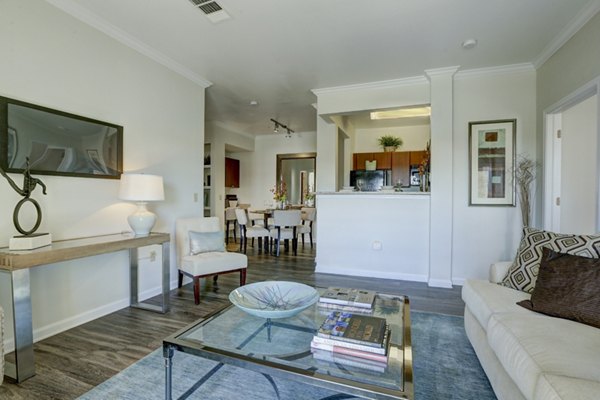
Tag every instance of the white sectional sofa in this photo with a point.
(527, 355)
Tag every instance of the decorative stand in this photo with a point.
(28, 240)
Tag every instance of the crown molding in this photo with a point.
(441, 71)
(497, 70)
(415, 80)
(582, 18)
(89, 18)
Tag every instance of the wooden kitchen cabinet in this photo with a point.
(384, 160)
(401, 167)
(416, 157)
(232, 173)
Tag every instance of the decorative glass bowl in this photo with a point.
(274, 299)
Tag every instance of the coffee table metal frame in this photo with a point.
(174, 343)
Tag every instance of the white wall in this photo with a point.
(414, 138)
(485, 234)
(258, 168)
(579, 172)
(52, 59)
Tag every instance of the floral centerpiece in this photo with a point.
(424, 169)
(309, 199)
(279, 193)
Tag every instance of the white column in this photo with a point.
(440, 237)
(327, 154)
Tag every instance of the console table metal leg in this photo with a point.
(166, 281)
(168, 354)
(24, 366)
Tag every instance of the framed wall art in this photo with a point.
(492, 162)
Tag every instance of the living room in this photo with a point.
(61, 61)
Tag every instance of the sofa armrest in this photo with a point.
(499, 270)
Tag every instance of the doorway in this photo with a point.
(572, 173)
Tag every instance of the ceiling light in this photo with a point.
(254, 103)
(469, 44)
(402, 113)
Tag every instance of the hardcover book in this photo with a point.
(354, 328)
(349, 297)
(348, 360)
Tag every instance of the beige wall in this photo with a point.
(576, 63)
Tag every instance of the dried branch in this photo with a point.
(524, 176)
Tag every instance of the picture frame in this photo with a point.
(492, 154)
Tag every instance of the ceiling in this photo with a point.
(276, 51)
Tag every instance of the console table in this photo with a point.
(18, 263)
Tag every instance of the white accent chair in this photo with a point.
(285, 227)
(204, 264)
(1, 345)
(309, 214)
(253, 231)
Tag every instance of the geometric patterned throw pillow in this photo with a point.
(523, 272)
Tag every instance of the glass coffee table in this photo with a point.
(281, 348)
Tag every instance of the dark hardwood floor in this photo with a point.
(72, 362)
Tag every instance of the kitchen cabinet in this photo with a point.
(401, 167)
(384, 160)
(232, 173)
(416, 157)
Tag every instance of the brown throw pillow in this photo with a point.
(568, 286)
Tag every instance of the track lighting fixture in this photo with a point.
(282, 126)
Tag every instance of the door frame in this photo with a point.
(552, 120)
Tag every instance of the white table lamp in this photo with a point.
(141, 188)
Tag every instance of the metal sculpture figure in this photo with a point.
(29, 185)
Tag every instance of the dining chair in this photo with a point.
(230, 217)
(309, 215)
(252, 231)
(285, 227)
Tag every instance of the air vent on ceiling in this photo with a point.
(213, 11)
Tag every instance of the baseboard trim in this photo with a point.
(441, 283)
(372, 274)
(54, 328)
(458, 281)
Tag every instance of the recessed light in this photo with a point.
(469, 44)
(254, 103)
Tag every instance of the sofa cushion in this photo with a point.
(529, 344)
(484, 298)
(556, 387)
(212, 263)
(524, 271)
(567, 287)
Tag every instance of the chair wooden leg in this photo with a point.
(245, 244)
(242, 276)
(215, 279)
(278, 243)
(234, 234)
(295, 246)
(179, 279)
(227, 232)
(197, 290)
(252, 242)
(259, 244)
(303, 240)
(242, 239)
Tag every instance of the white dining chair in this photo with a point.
(285, 227)
(309, 215)
(247, 230)
(230, 218)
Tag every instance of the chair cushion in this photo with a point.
(529, 344)
(303, 229)
(567, 287)
(256, 231)
(204, 242)
(555, 387)
(484, 298)
(213, 262)
(524, 271)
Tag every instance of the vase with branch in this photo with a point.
(279, 194)
(524, 177)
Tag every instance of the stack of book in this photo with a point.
(349, 300)
(352, 339)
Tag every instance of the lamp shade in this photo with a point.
(141, 187)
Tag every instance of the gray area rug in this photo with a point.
(445, 367)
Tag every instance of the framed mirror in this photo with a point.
(298, 172)
(58, 143)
